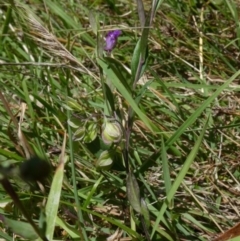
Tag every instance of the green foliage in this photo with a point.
(54, 199)
(143, 141)
(23, 229)
(133, 192)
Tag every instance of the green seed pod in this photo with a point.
(105, 161)
(111, 132)
(86, 133)
(79, 134)
(91, 132)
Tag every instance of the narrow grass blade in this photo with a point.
(234, 11)
(194, 221)
(139, 59)
(145, 212)
(117, 83)
(94, 188)
(54, 195)
(166, 172)
(200, 109)
(179, 178)
(9, 154)
(27, 99)
(5, 26)
(115, 222)
(94, 21)
(73, 233)
(69, 20)
(74, 183)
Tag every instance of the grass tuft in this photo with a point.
(142, 141)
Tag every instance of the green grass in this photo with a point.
(166, 99)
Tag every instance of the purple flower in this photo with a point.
(111, 40)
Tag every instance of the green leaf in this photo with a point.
(23, 229)
(234, 11)
(10, 155)
(94, 21)
(68, 19)
(141, 13)
(54, 199)
(109, 98)
(166, 172)
(125, 93)
(90, 194)
(5, 236)
(105, 161)
(195, 222)
(140, 54)
(133, 192)
(199, 110)
(73, 233)
(5, 26)
(120, 71)
(145, 212)
(115, 222)
(179, 178)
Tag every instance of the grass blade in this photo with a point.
(55, 194)
(117, 83)
(179, 178)
(166, 172)
(200, 109)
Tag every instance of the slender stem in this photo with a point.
(79, 211)
(147, 235)
(131, 115)
(9, 189)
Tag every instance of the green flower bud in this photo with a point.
(87, 133)
(79, 134)
(105, 161)
(90, 133)
(111, 132)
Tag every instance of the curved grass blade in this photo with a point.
(94, 188)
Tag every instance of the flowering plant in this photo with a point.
(111, 40)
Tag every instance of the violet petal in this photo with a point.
(111, 40)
